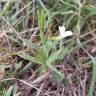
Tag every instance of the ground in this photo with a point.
(35, 60)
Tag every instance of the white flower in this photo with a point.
(64, 33)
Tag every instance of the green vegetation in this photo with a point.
(33, 61)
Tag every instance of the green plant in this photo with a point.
(46, 55)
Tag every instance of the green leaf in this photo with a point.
(28, 43)
(53, 57)
(41, 24)
(27, 67)
(28, 57)
(9, 92)
(18, 65)
(49, 46)
(92, 86)
(41, 20)
(57, 75)
(41, 57)
(16, 87)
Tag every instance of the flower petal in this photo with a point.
(64, 33)
(67, 33)
(61, 29)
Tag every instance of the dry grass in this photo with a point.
(31, 63)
